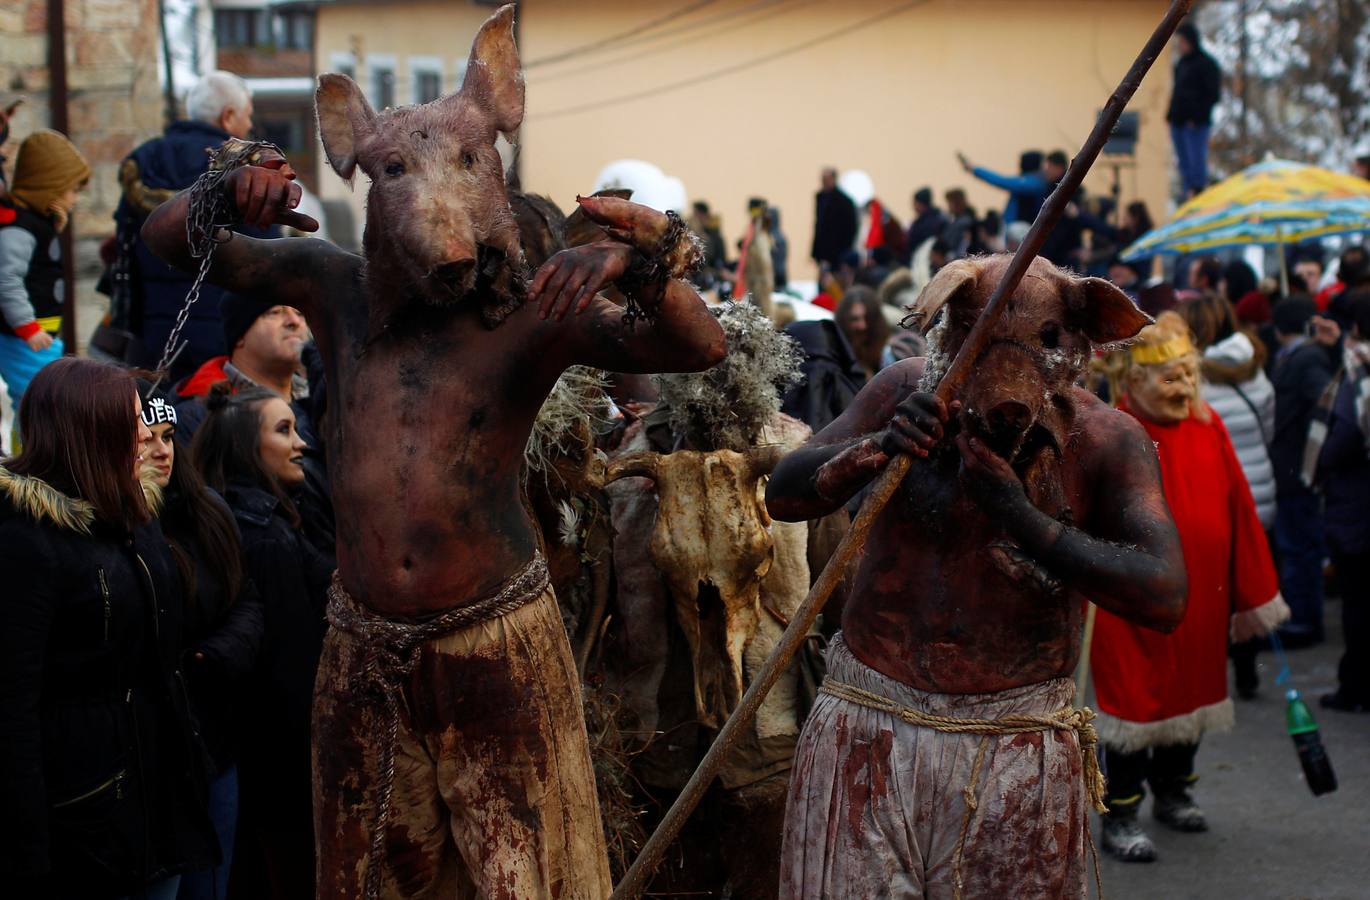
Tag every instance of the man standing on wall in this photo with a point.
(1198, 86)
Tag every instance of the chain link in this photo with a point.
(208, 211)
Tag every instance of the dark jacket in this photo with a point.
(1300, 374)
(102, 777)
(227, 632)
(43, 276)
(151, 174)
(1344, 476)
(929, 225)
(834, 227)
(1198, 87)
(292, 578)
(832, 376)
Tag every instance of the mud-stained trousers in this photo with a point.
(493, 791)
(877, 806)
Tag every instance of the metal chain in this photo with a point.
(209, 210)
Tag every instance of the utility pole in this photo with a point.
(59, 120)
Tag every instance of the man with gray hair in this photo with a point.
(146, 294)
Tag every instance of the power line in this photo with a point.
(735, 67)
(763, 14)
(584, 49)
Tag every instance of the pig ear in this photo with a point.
(345, 120)
(955, 277)
(494, 77)
(1104, 313)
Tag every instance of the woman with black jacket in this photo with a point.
(102, 776)
(223, 619)
(249, 451)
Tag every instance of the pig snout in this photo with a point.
(458, 276)
(1009, 416)
(1004, 398)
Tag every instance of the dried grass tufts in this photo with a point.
(726, 407)
(578, 396)
(611, 750)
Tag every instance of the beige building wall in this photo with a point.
(896, 98)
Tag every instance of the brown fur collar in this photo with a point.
(41, 502)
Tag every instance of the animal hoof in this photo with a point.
(630, 222)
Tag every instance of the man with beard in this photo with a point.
(862, 320)
(943, 755)
(1159, 693)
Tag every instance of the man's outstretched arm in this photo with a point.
(262, 196)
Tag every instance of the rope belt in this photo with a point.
(389, 655)
(1067, 719)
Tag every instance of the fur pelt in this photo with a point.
(578, 396)
(726, 407)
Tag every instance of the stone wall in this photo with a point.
(114, 104)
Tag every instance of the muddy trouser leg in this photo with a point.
(877, 806)
(494, 794)
(350, 724)
(501, 714)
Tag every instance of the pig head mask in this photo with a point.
(439, 228)
(1018, 396)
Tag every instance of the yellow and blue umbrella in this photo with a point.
(1272, 202)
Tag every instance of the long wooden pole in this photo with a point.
(635, 880)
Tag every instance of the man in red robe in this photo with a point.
(1158, 693)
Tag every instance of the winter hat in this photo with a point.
(157, 404)
(1030, 161)
(238, 312)
(48, 166)
(923, 196)
(1293, 314)
(1189, 33)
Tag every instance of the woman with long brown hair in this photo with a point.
(101, 774)
(249, 451)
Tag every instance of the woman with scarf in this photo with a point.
(249, 451)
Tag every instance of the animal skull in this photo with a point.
(712, 543)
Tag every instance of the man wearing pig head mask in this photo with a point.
(944, 757)
(1159, 693)
(450, 753)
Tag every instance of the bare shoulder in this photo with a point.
(1110, 442)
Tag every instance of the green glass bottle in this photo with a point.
(1303, 728)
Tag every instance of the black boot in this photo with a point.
(1123, 837)
(1175, 808)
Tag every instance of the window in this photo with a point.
(286, 133)
(297, 30)
(425, 78)
(382, 70)
(241, 28)
(343, 64)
